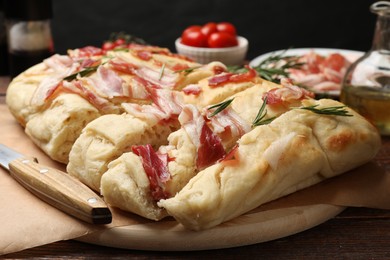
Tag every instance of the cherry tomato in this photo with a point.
(193, 36)
(221, 40)
(227, 27)
(192, 28)
(209, 28)
(108, 46)
(119, 42)
(212, 35)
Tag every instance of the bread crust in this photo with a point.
(295, 151)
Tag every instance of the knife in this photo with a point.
(55, 187)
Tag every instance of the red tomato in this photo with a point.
(192, 28)
(227, 27)
(221, 40)
(108, 46)
(209, 28)
(193, 36)
(119, 42)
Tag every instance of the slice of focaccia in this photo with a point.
(55, 129)
(106, 138)
(21, 90)
(109, 136)
(298, 149)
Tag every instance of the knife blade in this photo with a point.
(55, 187)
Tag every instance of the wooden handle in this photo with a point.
(61, 190)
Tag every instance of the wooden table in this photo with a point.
(357, 233)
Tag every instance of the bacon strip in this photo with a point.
(147, 112)
(288, 93)
(88, 51)
(166, 106)
(61, 66)
(77, 87)
(168, 101)
(321, 73)
(163, 78)
(229, 120)
(210, 150)
(192, 89)
(208, 144)
(225, 78)
(59, 63)
(122, 66)
(45, 90)
(107, 82)
(155, 168)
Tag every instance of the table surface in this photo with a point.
(356, 233)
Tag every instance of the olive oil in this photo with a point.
(371, 103)
(366, 85)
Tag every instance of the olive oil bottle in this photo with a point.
(366, 86)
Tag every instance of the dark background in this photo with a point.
(268, 24)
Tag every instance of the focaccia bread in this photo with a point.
(159, 135)
(89, 167)
(200, 142)
(43, 98)
(298, 149)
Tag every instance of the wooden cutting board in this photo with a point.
(273, 221)
(254, 227)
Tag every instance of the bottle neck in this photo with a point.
(381, 41)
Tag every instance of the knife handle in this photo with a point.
(61, 190)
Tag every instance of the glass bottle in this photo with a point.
(28, 33)
(366, 85)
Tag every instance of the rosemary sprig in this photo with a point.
(127, 37)
(85, 72)
(188, 70)
(336, 110)
(219, 107)
(161, 72)
(259, 120)
(121, 49)
(236, 69)
(274, 67)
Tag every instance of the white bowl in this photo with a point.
(228, 56)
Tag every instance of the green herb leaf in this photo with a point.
(259, 120)
(220, 106)
(121, 49)
(188, 70)
(85, 72)
(274, 67)
(335, 111)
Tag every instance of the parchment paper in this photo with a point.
(28, 222)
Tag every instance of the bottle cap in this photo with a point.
(28, 10)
